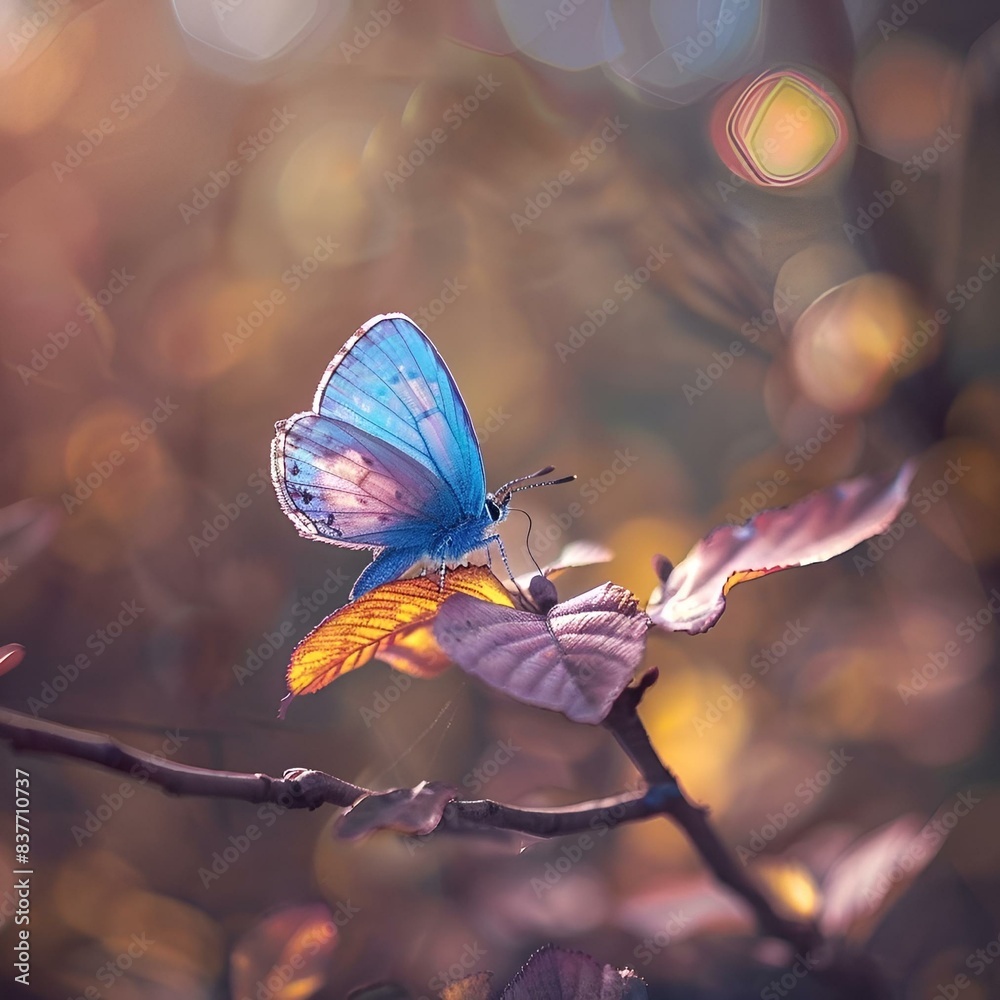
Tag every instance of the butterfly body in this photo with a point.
(388, 457)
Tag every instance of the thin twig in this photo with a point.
(308, 789)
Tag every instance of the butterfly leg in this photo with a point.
(503, 552)
(389, 564)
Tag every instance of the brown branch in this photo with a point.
(624, 723)
(300, 788)
(308, 789)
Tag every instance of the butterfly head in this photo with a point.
(498, 502)
(494, 509)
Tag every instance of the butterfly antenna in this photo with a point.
(531, 486)
(521, 479)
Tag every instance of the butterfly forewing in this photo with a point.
(394, 385)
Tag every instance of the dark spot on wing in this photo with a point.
(295, 468)
(329, 520)
(307, 497)
(382, 518)
(399, 494)
(367, 460)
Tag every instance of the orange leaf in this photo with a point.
(390, 622)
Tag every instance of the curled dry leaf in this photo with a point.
(390, 622)
(692, 595)
(415, 811)
(297, 938)
(575, 659)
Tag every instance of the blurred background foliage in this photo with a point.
(701, 293)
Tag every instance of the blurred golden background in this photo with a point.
(707, 255)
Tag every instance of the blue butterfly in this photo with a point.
(388, 459)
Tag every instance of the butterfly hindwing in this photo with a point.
(352, 489)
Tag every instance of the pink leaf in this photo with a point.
(575, 659)
(10, 656)
(824, 524)
(555, 974)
